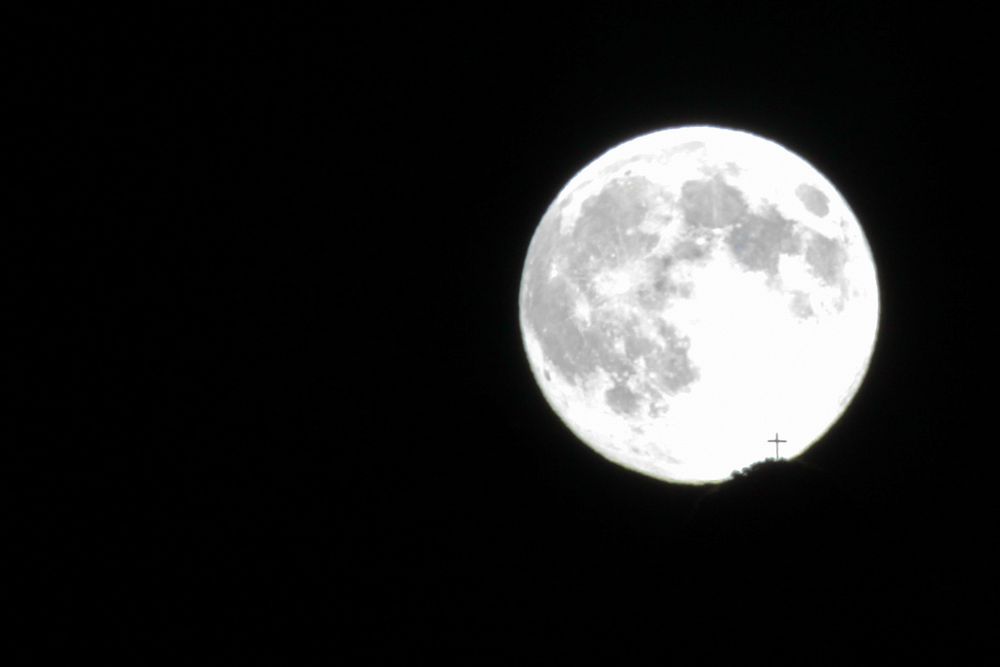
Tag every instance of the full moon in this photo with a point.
(693, 295)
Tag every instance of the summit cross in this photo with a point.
(776, 441)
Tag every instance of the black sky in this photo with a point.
(267, 392)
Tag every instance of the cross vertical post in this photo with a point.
(776, 441)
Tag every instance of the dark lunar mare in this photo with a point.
(606, 236)
(758, 239)
(815, 201)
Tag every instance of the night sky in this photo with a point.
(266, 390)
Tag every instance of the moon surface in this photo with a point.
(690, 294)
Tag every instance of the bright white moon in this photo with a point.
(691, 293)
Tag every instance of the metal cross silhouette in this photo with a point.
(776, 441)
